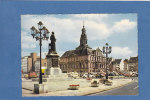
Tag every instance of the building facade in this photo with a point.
(83, 59)
(133, 64)
(116, 64)
(126, 67)
(37, 65)
(24, 64)
(30, 65)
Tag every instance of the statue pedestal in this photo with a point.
(52, 65)
(53, 72)
(52, 60)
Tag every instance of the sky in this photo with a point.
(118, 30)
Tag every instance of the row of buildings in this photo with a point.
(83, 59)
(130, 64)
(32, 63)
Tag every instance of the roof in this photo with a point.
(79, 52)
(98, 49)
(126, 60)
(133, 59)
(117, 61)
(68, 53)
(24, 57)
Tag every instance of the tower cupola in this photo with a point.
(83, 38)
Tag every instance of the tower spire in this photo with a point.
(83, 38)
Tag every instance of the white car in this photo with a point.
(91, 76)
(86, 76)
(73, 74)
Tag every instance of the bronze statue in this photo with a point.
(52, 45)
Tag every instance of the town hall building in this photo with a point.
(83, 59)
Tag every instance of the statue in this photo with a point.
(52, 46)
(53, 71)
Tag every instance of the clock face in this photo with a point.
(55, 62)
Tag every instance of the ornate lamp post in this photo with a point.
(106, 50)
(41, 34)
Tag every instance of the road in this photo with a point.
(130, 89)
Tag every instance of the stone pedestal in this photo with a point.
(52, 65)
(40, 88)
(52, 60)
(53, 71)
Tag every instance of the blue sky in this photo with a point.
(119, 30)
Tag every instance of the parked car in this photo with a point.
(73, 75)
(32, 75)
(112, 74)
(91, 76)
(87, 75)
(134, 74)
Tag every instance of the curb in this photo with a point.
(107, 89)
(27, 89)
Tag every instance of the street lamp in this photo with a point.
(106, 50)
(41, 34)
(80, 68)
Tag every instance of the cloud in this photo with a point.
(27, 42)
(97, 31)
(28, 46)
(90, 17)
(121, 52)
(67, 28)
(123, 26)
(62, 27)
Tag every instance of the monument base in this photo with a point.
(53, 71)
(40, 88)
(52, 74)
